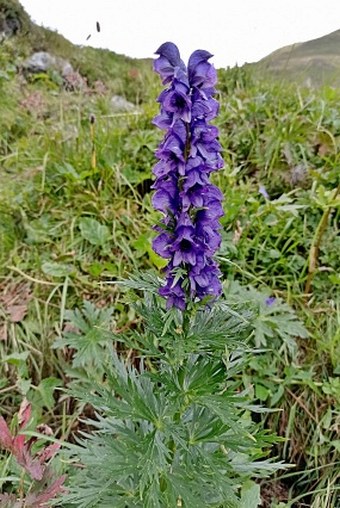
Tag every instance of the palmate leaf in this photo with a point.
(115, 459)
(126, 394)
(197, 376)
(250, 495)
(137, 391)
(154, 460)
(148, 282)
(203, 426)
(274, 322)
(187, 490)
(160, 322)
(90, 335)
(220, 327)
(212, 485)
(94, 232)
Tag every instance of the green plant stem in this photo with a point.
(186, 323)
(315, 247)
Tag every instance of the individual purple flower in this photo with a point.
(270, 301)
(263, 191)
(188, 235)
(169, 60)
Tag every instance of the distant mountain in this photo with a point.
(313, 62)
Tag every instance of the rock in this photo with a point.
(10, 26)
(65, 67)
(10, 22)
(118, 104)
(42, 61)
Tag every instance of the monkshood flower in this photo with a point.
(188, 235)
(270, 301)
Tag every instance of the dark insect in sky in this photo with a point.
(98, 30)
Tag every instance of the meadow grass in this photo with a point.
(72, 224)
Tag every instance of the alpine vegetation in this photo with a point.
(173, 426)
(190, 152)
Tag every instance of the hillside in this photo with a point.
(20, 38)
(314, 62)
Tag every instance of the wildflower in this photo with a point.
(263, 191)
(190, 151)
(270, 301)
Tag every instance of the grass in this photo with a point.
(71, 224)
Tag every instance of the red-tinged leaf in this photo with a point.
(48, 452)
(40, 500)
(17, 312)
(24, 413)
(22, 454)
(18, 445)
(6, 438)
(10, 501)
(33, 468)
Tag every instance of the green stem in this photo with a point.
(315, 247)
(186, 323)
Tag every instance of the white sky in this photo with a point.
(235, 31)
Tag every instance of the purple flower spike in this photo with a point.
(188, 235)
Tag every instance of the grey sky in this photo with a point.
(234, 31)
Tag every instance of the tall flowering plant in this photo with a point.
(174, 428)
(188, 235)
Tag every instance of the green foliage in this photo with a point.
(210, 329)
(90, 338)
(275, 323)
(181, 433)
(93, 231)
(69, 229)
(250, 495)
(177, 428)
